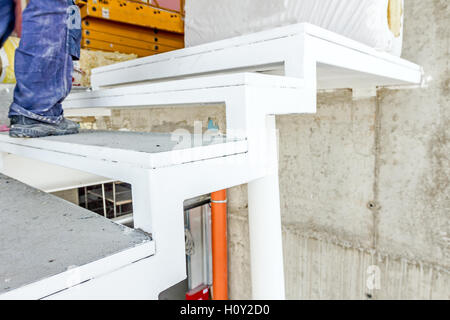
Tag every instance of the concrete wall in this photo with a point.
(365, 185)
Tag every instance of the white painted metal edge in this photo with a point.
(340, 40)
(201, 82)
(286, 96)
(268, 35)
(76, 186)
(350, 59)
(34, 173)
(134, 158)
(79, 274)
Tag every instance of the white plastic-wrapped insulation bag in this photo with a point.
(376, 23)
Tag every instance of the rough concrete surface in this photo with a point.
(145, 142)
(162, 119)
(326, 169)
(42, 235)
(414, 146)
(6, 94)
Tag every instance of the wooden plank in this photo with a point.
(113, 47)
(151, 35)
(118, 40)
(134, 13)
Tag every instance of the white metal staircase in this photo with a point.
(163, 174)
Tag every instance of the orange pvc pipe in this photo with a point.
(219, 245)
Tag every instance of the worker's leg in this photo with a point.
(43, 65)
(6, 19)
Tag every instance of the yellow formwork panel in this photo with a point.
(113, 47)
(150, 35)
(152, 3)
(111, 38)
(134, 13)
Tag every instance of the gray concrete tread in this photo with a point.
(146, 142)
(42, 235)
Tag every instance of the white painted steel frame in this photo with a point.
(325, 60)
(159, 191)
(34, 173)
(250, 99)
(158, 206)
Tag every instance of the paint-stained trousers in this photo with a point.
(51, 35)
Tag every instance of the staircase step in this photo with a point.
(143, 150)
(43, 236)
(324, 59)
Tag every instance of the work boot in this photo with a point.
(23, 127)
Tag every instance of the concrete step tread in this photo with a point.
(148, 150)
(42, 235)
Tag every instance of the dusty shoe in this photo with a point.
(23, 127)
